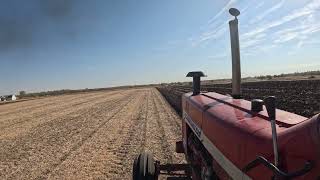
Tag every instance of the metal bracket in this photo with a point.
(277, 172)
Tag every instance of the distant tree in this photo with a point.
(268, 77)
(260, 77)
(22, 93)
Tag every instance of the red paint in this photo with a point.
(242, 135)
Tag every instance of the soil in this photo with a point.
(300, 97)
(86, 136)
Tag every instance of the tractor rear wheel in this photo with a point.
(144, 167)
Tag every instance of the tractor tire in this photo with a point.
(144, 167)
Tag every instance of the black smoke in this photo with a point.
(57, 9)
(20, 21)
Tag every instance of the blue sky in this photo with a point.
(46, 45)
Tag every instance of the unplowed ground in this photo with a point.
(86, 136)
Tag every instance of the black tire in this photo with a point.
(144, 167)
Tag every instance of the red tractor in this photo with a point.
(226, 137)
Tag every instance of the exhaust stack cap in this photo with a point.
(234, 12)
(196, 75)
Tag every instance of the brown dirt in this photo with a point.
(86, 136)
(300, 97)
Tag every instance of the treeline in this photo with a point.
(311, 75)
(24, 94)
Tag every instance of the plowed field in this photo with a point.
(301, 97)
(86, 136)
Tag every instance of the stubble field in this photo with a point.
(92, 135)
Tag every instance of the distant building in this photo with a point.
(10, 98)
(2, 98)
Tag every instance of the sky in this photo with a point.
(72, 44)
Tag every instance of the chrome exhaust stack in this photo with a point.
(235, 52)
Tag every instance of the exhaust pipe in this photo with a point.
(235, 52)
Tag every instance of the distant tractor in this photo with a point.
(227, 137)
